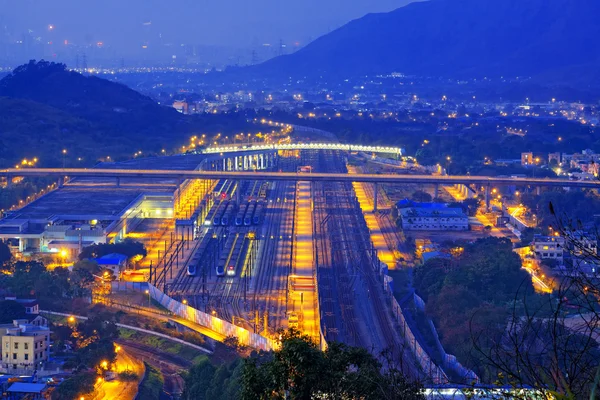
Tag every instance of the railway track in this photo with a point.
(349, 270)
(267, 290)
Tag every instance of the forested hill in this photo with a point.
(94, 99)
(458, 38)
(45, 108)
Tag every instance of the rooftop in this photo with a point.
(179, 163)
(24, 327)
(111, 259)
(78, 200)
(412, 212)
(99, 197)
(22, 387)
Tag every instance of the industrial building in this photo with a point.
(90, 211)
(437, 217)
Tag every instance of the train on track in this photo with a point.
(199, 253)
(259, 214)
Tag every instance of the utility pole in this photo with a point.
(266, 323)
(256, 320)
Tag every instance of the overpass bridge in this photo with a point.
(398, 151)
(181, 175)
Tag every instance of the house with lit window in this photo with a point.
(114, 262)
(549, 247)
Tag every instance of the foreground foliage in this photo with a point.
(472, 293)
(152, 385)
(300, 370)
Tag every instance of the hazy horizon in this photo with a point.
(235, 25)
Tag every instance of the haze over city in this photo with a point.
(232, 28)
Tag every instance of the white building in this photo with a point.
(436, 218)
(551, 247)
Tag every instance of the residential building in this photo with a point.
(551, 247)
(555, 157)
(583, 244)
(114, 262)
(181, 106)
(31, 305)
(526, 158)
(24, 346)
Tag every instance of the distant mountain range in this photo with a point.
(555, 39)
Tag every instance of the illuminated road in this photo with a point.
(291, 176)
(117, 389)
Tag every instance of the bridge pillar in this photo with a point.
(224, 164)
(118, 182)
(436, 191)
(61, 181)
(261, 157)
(487, 197)
(538, 190)
(375, 197)
(236, 163)
(9, 180)
(245, 162)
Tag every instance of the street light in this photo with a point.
(148, 293)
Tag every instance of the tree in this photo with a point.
(200, 381)
(10, 310)
(5, 254)
(24, 277)
(128, 247)
(473, 293)
(471, 206)
(298, 369)
(421, 196)
(94, 340)
(551, 344)
(78, 385)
